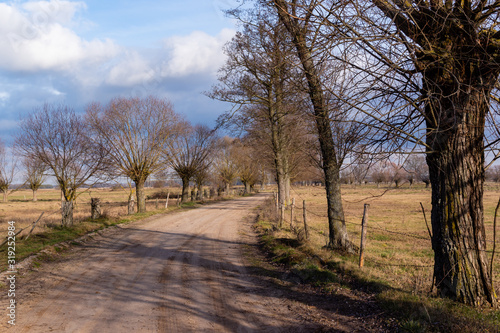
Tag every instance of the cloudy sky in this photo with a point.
(80, 51)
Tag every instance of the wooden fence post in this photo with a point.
(156, 204)
(291, 213)
(304, 213)
(95, 208)
(276, 201)
(363, 236)
(166, 202)
(130, 205)
(282, 215)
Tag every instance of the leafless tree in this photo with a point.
(225, 165)
(493, 173)
(58, 138)
(8, 168)
(134, 131)
(336, 126)
(427, 75)
(417, 169)
(247, 159)
(380, 173)
(189, 154)
(260, 80)
(35, 175)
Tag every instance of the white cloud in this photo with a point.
(131, 70)
(197, 52)
(42, 12)
(36, 37)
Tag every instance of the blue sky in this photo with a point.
(76, 52)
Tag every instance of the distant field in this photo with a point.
(21, 209)
(399, 248)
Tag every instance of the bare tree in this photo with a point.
(260, 80)
(8, 167)
(417, 169)
(428, 75)
(36, 173)
(493, 173)
(189, 154)
(380, 173)
(225, 165)
(135, 132)
(59, 139)
(246, 158)
(336, 132)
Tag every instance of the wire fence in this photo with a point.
(384, 230)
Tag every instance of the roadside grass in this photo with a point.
(398, 257)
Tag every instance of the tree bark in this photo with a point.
(5, 196)
(185, 189)
(456, 168)
(34, 195)
(141, 197)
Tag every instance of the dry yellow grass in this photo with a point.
(21, 209)
(399, 248)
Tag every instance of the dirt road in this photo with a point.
(181, 272)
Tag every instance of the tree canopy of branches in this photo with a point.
(8, 168)
(58, 138)
(427, 75)
(335, 129)
(189, 154)
(134, 131)
(260, 79)
(35, 175)
(246, 156)
(225, 166)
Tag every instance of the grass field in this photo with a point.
(21, 209)
(399, 247)
(398, 256)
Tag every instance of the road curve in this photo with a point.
(180, 272)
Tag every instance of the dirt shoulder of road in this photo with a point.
(339, 310)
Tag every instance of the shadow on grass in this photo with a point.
(413, 313)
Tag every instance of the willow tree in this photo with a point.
(134, 131)
(189, 154)
(430, 71)
(58, 138)
(35, 175)
(8, 167)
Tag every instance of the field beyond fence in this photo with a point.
(398, 247)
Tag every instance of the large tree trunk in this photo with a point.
(185, 189)
(141, 197)
(338, 238)
(456, 168)
(5, 196)
(34, 194)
